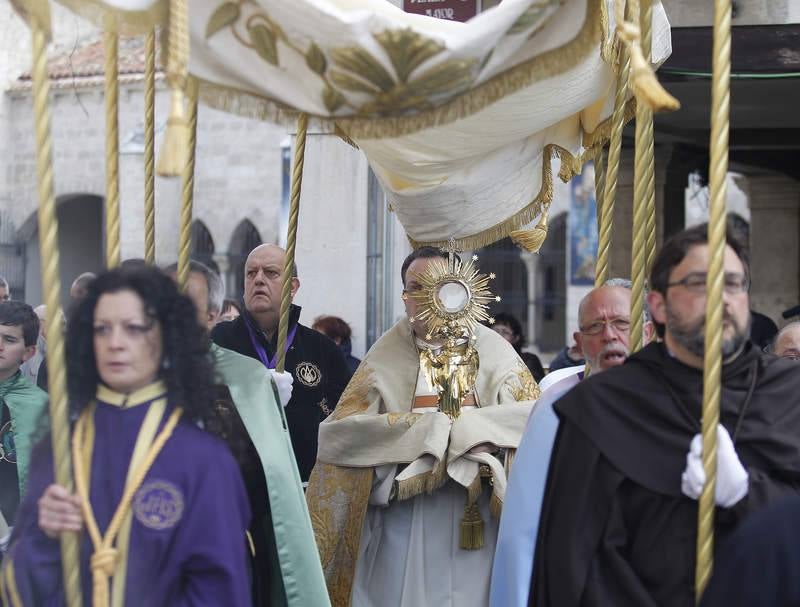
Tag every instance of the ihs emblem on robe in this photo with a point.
(453, 299)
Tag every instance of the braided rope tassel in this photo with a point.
(174, 150)
(291, 240)
(187, 193)
(112, 149)
(149, 149)
(712, 361)
(51, 282)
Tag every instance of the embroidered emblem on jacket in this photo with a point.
(158, 505)
(308, 374)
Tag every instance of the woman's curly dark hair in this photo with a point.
(187, 365)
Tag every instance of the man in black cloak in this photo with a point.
(619, 516)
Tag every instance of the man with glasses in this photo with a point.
(603, 338)
(618, 520)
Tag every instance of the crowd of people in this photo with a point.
(204, 476)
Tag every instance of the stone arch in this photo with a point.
(80, 244)
(245, 238)
(202, 248)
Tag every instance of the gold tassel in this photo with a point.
(646, 86)
(172, 158)
(471, 528)
(532, 240)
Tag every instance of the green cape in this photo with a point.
(255, 398)
(26, 403)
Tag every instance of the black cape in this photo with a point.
(759, 566)
(615, 528)
(320, 375)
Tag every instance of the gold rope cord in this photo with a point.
(51, 282)
(149, 148)
(112, 149)
(649, 144)
(187, 193)
(172, 158)
(610, 191)
(599, 180)
(712, 363)
(642, 170)
(291, 240)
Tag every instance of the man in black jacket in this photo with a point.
(316, 364)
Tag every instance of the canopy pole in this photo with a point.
(51, 282)
(614, 148)
(712, 361)
(187, 192)
(291, 240)
(111, 41)
(643, 178)
(149, 148)
(649, 144)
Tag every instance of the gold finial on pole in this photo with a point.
(111, 41)
(291, 240)
(712, 361)
(187, 191)
(48, 243)
(149, 148)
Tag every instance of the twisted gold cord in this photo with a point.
(291, 240)
(649, 144)
(609, 194)
(712, 363)
(51, 282)
(112, 149)
(599, 181)
(187, 193)
(149, 148)
(642, 176)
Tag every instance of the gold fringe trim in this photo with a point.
(339, 132)
(496, 506)
(593, 33)
(474, 490)
(437, 477)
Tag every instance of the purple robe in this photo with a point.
(188, 543)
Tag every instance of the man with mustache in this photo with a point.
(603, 339)
(618, 521)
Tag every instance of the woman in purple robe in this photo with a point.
(160, 504)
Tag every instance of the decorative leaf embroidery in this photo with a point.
(315, 59)
(264, 42)
(531, 16)
(225, 15)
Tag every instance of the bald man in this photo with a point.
(787, 342)
(317, 365)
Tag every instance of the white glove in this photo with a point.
(732, 479)
(283, 382)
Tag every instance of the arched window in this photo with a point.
(245, 238)
(202, 247)
(503, 258)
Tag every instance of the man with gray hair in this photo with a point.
(787, 342)
(603, 337)
(246, 399)
(205, 288)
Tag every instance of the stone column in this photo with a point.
(775, 250)
(531, 261)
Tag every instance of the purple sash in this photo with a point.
(269, 363)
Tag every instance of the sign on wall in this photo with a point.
(453, 10)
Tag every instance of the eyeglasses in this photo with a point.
(696, 283)
(620, 325)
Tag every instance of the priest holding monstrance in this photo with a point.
(412, 465)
